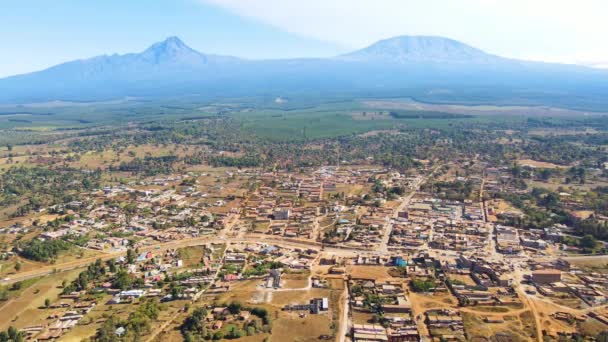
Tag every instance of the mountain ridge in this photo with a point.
(396, 65)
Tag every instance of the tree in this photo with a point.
(194, 324)
(588, 241)
(235, 333)
(130, 256)
(422, 285)
(176, 291)
(47, 303)
(602, 337)
(235, 308)
(122, 280)
(14, 334)
(107, 332)
(18, 266)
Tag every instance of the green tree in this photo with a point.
(588, 242)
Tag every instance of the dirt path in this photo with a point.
(161, 328)
(343, 330)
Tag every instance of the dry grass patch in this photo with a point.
(378, 273)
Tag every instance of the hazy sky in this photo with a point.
(39, 33)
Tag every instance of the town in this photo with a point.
(358, 253)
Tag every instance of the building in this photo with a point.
(318, 305)
(276, 278)
(282, 214)
(369, 332)
(546, 276)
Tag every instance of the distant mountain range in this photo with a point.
(407, 49)
(429, 68)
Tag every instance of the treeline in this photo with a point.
(39, 187)
(193, 328)
(43, 250)
(591, 226)
(138, 323)
(543, 208)
(456, 190)
(12, 335)
(96, 272)
(245, 161)
(149, 166)
(93, 272)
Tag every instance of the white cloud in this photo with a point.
(558, 29)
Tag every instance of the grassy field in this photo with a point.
(312, 124)
(23, 310)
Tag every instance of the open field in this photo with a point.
(511, 328)
(540, 164)
(378, 273)
(286, 326)
(24, 310)
(410, 104)
(295, 280)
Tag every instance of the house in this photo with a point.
(282, 214)
(120, 331)
(231, 277)
(131, 294)
(244, 315)
(369, 333)
(319, 304)
(220, 311)
(546, 276)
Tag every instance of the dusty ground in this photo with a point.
(379, 273)
(539, 164)
(24, 310)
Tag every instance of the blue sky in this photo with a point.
(36, 34)
(39, 33)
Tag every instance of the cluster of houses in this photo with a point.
(559, 280)
(370, 227)
(400, 329)
(394, 304)
(284, 216)
(65, 315)
(445, 324)
(476, 281)
(444, 224)
(155, 216)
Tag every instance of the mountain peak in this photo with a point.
(171, 49)
(403, 49)
(173, 42)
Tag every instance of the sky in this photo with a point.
(36, 34)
